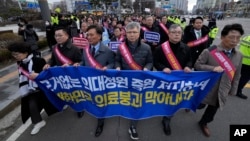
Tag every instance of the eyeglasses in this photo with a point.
(232, 37)
(132, 32)
(15, 54)
(176, 32)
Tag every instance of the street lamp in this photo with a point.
(140, 6)
(119, 8)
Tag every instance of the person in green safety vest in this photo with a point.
(54, 19)
(245, 77)
(212, 34)
(183, 23)
(58, 10)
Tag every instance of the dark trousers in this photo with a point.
(166, 120)
(208, 115)
(245, 77)
(100, 121)
(34, 109)
(133, 123)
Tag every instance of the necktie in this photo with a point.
(228, 53)
(199, 34)
(93, 51)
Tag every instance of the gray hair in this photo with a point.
(174, 26)
(132, 25)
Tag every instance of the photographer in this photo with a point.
(21, 25)
(29, 36)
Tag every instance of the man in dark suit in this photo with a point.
(164, 35)
(195, 37)
(64, 50)
(150, 26)
(103, 59)
(183, 57)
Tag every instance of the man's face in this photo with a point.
(114, 23)
(19, 56)
(133, 34)
(126, 22)
(90, 21)
(84, 27)
(231, 39)
(61, 36)
(93, 37)
(175, 35)
(164, 19)
(119, 25)
(117, 32)
(198, 24)
(149, 21)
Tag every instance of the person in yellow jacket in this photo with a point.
(54, 19)
(245, 77)
(212, 34)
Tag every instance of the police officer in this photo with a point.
(245, 77)
(212, 34)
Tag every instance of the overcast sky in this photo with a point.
(191, 3)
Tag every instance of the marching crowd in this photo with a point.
(191, 47)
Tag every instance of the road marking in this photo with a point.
(19, 131)
(9, 76)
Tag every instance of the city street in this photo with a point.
(66, 126)
(14, 28)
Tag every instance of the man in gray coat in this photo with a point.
(140, 57)
(221, 58)
(102, 58)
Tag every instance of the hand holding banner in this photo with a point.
(128, 93)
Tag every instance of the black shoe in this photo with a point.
(240, 95)
(80, 114)
(133, 133)
(98, 130)
(166, 128)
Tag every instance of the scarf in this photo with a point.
(25, 84)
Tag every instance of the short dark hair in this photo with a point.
(120, 22)
(20, 47)
(63, 29)
(116, 27)
(198, 17)
(98, 29)
(164, 16)
(92, 18)
(230, 27)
